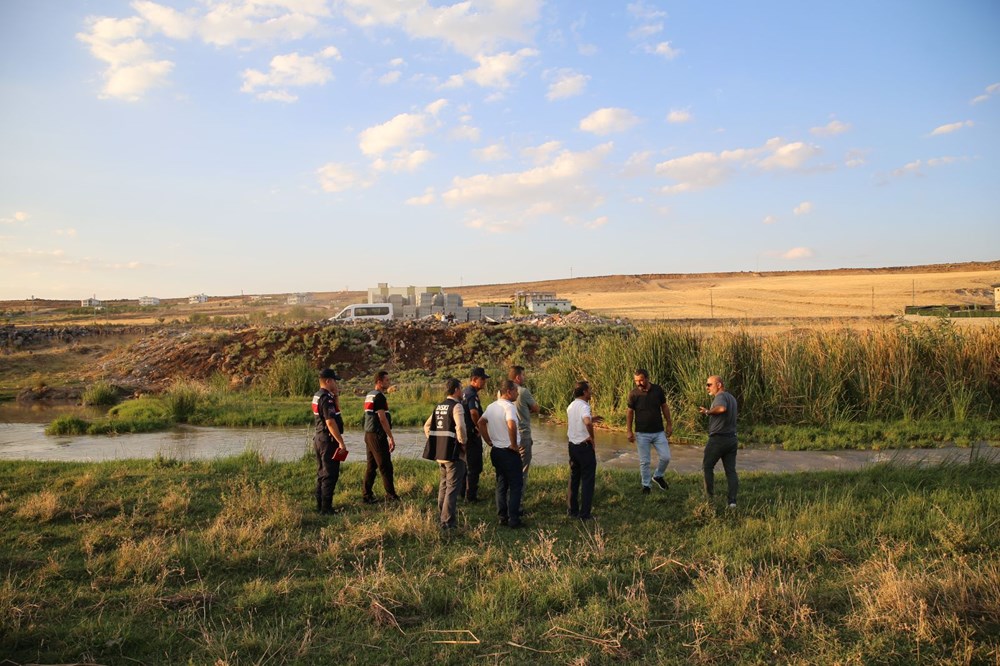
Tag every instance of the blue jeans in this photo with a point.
(644, 441)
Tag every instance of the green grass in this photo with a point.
(224, 562)
(100, 394)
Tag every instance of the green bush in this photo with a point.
(182, 399)
(289, 376)
(100, 394)
(67, 425)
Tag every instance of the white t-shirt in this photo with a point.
(577, 431)
(497, 415)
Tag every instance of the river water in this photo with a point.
(22, 437)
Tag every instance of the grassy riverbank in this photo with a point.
(224, 562)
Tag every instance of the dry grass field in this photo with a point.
(805, 298)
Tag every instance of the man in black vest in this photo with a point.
(379, 441)
(446, 437)
(328, 438)
(474, 449)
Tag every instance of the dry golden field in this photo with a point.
(842, 294)
(854, 297)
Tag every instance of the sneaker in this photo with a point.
(515, 525)
(645, 490)
(660, 482)
(732, 505)
(369, 499)
(572, 514)
(503, 520)
(392, 498)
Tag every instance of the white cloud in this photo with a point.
(390, 77)
(494, 71)
(637, 164)
(469, 28)
(131, 68)
(646, 30)
(803, 208)
(334, 177)
(541, 153)
(435, 107)
(397, 62)
(951, 127)
(167, 20)
(770, 219)
(465, 133)
(645, 12)
(991, 90)
(832, 128)
(704, 169)
(504, 201)
(289, 70)
(917, 167)
(403, 160)
(18, 216)
(597, 223)
(492, 153)
(565, 83)
(609, 120)
(425, 199)
(229, 22)
(664, 49)
(398, 132)
(679, 116)
(855, 158)
(798, 253)
(66, 232)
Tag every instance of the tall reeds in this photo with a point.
(892, 373)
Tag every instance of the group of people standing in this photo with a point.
(459, 426)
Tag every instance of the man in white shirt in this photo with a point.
(582, 457)
(498, 426)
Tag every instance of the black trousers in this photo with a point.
(474, 466)
(380, 460)
(582, 470)
(722, 447)
(510, 483)
(327, 473)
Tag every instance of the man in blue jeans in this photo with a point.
(647, 408)
(722, 442)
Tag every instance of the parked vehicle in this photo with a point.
(364, 312)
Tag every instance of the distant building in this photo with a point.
(298, 299)
(148, 300)
(198, 298)
(91, 303)
(540, 302)
(411, 295)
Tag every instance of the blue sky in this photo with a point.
(172, 148)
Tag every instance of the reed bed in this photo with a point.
(898, 372)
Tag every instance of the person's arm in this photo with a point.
(530, 401)
(384, 420)
(427, 425)
(460, 433)
(512, 433)
(482, 425)
(667, 421)
(718, 407)
(334, 429)
(629, 413)
(474, 413)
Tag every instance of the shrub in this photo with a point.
(182, 400)
(288, 376)
(100, 394)
(67, 425)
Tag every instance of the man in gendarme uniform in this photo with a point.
(328, 437)
(379, 441)
(474, 447)
(446, 437)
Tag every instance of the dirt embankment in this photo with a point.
(357, 351)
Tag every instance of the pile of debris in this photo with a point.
(574, 318)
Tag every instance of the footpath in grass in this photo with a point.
(225, 562)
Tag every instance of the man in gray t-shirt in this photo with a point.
(526, 406)
(722, 442)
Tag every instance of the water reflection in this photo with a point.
(27, 441)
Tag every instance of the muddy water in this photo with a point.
(22, 437)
